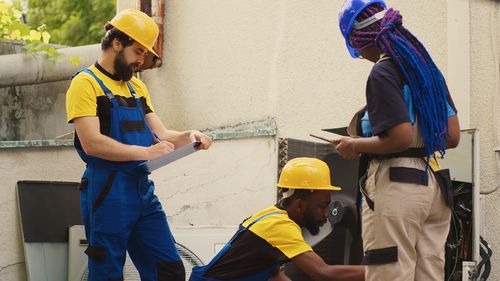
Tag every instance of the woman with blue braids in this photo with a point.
(409, 118)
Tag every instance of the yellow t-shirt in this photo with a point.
(279, 231)
(85, 97)
(268, 243)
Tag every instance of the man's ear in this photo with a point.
(117, 45)
(300, 204)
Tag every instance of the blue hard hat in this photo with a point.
(347, 16)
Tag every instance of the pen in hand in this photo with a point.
(156, 137)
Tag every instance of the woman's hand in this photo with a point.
(346, 147)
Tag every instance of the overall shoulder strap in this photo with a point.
(132, 91)
(241, 230)
(263, 216)
(107, 91)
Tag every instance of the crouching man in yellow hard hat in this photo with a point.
(273, 236)
(116, 130)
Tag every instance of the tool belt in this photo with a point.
(442, 176)
(413, 152)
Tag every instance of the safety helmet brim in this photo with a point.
(150, 49)
(331, 187)
(138, 26)
(306, 173)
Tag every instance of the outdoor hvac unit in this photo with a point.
(77, 259)
(467, 252)
(339, 241)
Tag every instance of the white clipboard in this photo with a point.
(168, 158)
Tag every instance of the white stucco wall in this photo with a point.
(319, 84)
(219, 62)
(485, 114)
(233, 61)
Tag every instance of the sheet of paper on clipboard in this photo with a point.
(168, 158)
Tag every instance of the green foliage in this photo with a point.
(36, 40)
(72, 23)
(11, 27)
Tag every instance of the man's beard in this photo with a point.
(124, 71)
(311, 224)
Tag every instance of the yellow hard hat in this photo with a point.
(138, 26)
(306, 173)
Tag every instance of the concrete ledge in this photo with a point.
(36, 143)
(260, 128)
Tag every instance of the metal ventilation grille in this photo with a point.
(189, 259)
(339, 247)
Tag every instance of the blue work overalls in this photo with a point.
(119, 208)
(199, 272)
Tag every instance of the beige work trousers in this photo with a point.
(410, 216)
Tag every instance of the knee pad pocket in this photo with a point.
(96, 253)
(408, 175)
(380, 256)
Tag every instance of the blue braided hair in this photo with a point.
(427, 85)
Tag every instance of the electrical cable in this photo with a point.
(485, 252)
(487, 259)
(454, 246)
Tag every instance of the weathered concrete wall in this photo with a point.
(31, 112)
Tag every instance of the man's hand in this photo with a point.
(177, 138)
(206, 141)
(158, 149)
(345, 147)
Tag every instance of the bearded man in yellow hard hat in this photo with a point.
(117, 130)
(273, 236)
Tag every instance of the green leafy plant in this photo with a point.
(36, 41)
(72, 23)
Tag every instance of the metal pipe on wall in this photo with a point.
(33, 69)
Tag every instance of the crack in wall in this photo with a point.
(2, 268)
(188, 189)
(205, 204)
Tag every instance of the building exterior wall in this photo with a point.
(228, 62)
(216, 188)
(31, 112)
(484, 113)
